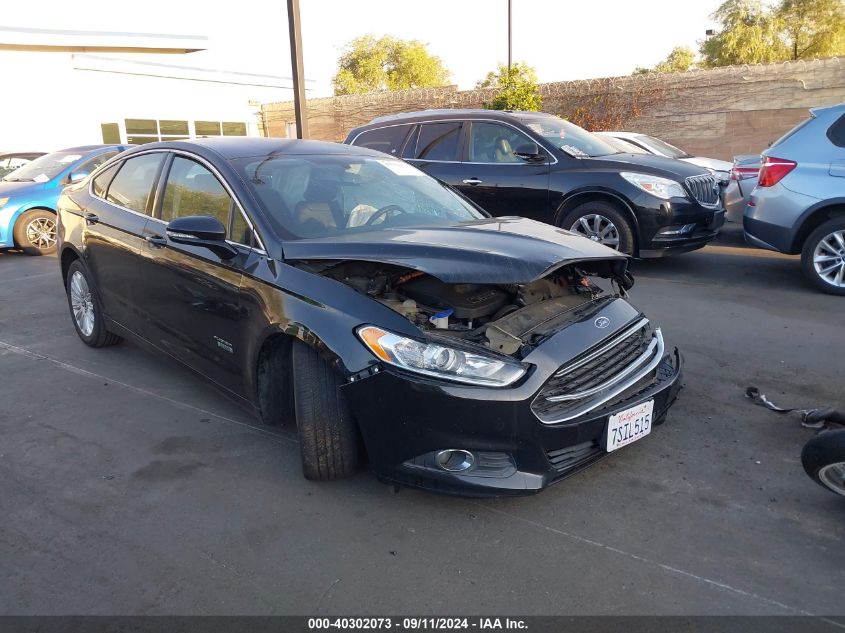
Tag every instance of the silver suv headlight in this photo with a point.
(655, 185)
(439, 361)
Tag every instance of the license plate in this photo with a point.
(629, 425)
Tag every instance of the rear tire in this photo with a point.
(823, 459)
(823, 245)
(86, 311)
(328, 438)
(602, 222)
(35, 232)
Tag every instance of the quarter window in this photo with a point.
(192, 189)
(386, 139)
(101, 182)
(133, 184)
(836, 132)
(494, 143)
(438, 141)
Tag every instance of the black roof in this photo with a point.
(230, 147)
(456, 113)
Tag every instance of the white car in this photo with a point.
(720, 168)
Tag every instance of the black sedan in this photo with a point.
(542, 167)
(384, 315)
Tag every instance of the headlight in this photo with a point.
(655, 185)
(433, 359)
(3, 202)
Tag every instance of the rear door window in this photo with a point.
(386, 139)
(438, 141)
(133, 185)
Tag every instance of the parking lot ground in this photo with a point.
(128, 486)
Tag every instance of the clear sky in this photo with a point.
(562, 39)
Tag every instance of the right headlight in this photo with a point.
(655, 185)
(439, 361)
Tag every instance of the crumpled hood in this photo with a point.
(709, 163)
(504, 250)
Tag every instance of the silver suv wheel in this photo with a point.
(829, 259)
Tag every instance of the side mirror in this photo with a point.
(530, 152)
(203, 231)
(77, 176)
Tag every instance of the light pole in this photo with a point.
(297, 73)
(510, 20)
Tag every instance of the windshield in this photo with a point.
(622, 145)
(318, 196)
(44, 168)
(569, 137)
(662, 147)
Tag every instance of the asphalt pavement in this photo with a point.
(129, 486)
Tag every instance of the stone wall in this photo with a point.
(717, 113)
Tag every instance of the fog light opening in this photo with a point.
(677, 230)
(454, 460)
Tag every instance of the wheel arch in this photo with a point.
(813, 218)
(66, 258)
(576, 198)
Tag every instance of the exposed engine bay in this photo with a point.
(510, 319)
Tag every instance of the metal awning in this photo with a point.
(59, 40)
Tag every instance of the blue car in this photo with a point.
(28, 195)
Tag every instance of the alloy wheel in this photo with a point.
(82, 303)
(41, 233)
(833, 476)
(829, 259)
(598, 228)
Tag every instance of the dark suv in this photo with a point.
(542, 167)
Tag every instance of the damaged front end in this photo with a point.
(508, 319)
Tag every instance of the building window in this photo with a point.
(140, 131)
(234, 129)
(173, 128)
(207, 128)
(111, 133)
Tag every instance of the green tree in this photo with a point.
(517, 89)
(368, 64)
(749, 34)
(813, 28)
(680, 59)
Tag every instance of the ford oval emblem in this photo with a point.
(602, 322)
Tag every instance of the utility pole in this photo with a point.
(510, 21)
(299, 106)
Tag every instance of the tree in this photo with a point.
(368, 64)
(748, 35)
(517, 89)
(679, 60)
(813, 28)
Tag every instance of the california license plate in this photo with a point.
(629, 425)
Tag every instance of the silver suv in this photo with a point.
(798, 205)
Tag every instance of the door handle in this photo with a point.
(472, 181)
(156, 241)
(91, 218)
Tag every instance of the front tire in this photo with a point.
(85, 309)
(35, 232)
(823, 459)
(328, 438)
(823, 257)
(601, 222)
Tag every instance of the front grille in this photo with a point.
(571, 458)
(704, 189)
(600, 374)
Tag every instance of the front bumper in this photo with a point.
(403, 419)
(707, 223)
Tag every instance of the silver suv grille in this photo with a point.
(704, 189)
(600, 374)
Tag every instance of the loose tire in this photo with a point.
(85, 308)
(328, 438)
(601, 222)
(823, 459)
(35, 232)
(823, 257)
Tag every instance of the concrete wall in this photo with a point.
(717, 113)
